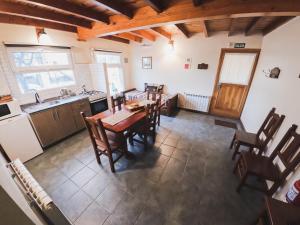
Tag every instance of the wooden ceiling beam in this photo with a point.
(144, 34)
(20, 20)
(183, 11)
(14, 8)
(116, 39)
(160, 31)
(156, 5)
(116, 7)
(277, 23)
(205, 29)
(197, 2)
(182, 28)
(73, 9)
(130, 37)
(252, 26)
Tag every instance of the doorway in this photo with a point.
(234, 77)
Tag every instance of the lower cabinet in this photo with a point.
(56, 123)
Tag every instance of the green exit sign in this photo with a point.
(239, 45)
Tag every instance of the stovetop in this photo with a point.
(94, 95)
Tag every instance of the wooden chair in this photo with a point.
(146, 128)
(262, 167)
(155, 96)
(104, 142)
(261, 139)
(117, 101)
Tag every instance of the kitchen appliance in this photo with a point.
(16, 134)
(9, 109)
(98, 101)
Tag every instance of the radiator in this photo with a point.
(195, 102)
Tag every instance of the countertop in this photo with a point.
(51, 103)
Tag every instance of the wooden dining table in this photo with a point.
(123, 126)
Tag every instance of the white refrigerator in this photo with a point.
(18, 138)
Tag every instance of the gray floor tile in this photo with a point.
(166, 150)
(70, 167)
(64, 192)
(96, 185)
(75, 206)
(83, 176)
(93, 215)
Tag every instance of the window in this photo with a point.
(41, 68)
(114, 70)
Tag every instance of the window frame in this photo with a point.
(44, 68)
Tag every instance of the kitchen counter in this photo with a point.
(54, 102)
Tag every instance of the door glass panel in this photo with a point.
(236, 68)
(115, 81)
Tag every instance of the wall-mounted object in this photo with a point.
(147, 62)
(202, 66)
(125, 60)
(273, 73)
(239, 45)
(186, 66)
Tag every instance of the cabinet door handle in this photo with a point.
(53, 115)
(57, 114)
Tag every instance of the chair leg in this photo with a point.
(98, 157)
(158, 121)
(111, 163)
(233, 140)
(236, 165)
(242, 182)
(146, 141)
(236, 150)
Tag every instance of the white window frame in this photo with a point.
(17, 70)
(111, 65)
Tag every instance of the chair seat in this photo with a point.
(114, 141)
(261, 166)
(246, 138)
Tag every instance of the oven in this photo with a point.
(99, 105)
(9, 109)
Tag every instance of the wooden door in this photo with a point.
(234, 77)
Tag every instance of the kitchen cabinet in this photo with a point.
(56, 123)
(77, 108)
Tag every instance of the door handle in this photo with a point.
(219, 86)
(53, 115)
(57, 114)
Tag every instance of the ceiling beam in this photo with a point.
(176, 12)
(116, 7)
(41, 13)
(12, 19)
(73, 9)
(160, 31)
(156, 5)
(277, 23)
(144, 34)
(252, 26)
(183, 30)
(130, 37)
(205, 29)
(116, 39)
(197, 2)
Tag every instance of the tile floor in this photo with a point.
(186, 178)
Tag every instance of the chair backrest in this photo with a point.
(154, 87)
(152, 111)
(97, 134)
(269, 127)
(117, 101)
(288, 151)
(153, 95)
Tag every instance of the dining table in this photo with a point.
(123, 126)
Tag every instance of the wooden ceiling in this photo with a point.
(138, 20)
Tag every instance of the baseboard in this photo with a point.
(191, 110)
(242, 125)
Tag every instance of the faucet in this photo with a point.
(37, 96)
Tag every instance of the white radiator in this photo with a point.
(195, 102)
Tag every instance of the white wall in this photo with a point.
(168, 68)
(281, 48)
(84, 66)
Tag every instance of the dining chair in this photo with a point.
(264, 168)
(104, 142)
(147, 127)
(155, 96)
(117, 101)
(261, 139)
